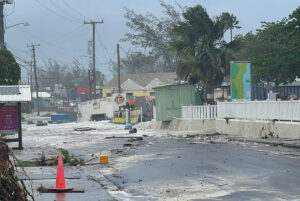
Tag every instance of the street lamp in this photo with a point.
(24, 23)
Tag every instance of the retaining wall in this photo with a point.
(184, 125)
(258, 129)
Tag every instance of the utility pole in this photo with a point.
(2, 25)
(35, 75)
(93, 23)
(2, 28)
(119, 69)
(90, 84)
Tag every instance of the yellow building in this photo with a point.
(135, 85)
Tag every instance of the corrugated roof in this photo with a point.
(15, 93)
(9, 90)
(142, 79)
(295, 83)
(131, 85)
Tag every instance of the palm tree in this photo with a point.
(198, 40)
(231, 22)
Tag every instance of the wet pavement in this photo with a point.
(161, 167)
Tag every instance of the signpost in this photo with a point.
(240, 76)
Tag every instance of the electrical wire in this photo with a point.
(65, 12)
(53, 11)
(12, 11)
(102, 45)
(75, 11)
(69, 34)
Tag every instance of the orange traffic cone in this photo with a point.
(60, 177)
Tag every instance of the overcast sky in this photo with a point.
(57, 25)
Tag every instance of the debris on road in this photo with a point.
(120, 137)
(41, 123)
(134, 130)
(84, 129)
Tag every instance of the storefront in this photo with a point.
(11, 98)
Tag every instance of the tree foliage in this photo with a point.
(274, 50)
(10, 72)
(151, 35)
(67, 75)
(198, 40)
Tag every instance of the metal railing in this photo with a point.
(260, 110)
(199, 112)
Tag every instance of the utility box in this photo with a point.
(63, 118)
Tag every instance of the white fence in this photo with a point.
(199, 112)
(260, 110)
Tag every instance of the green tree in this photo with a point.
(281, 63)
(198, 40)
(231, 22)
(151, 34)
(10, 72)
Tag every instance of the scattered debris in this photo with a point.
(30, 122)
(41, 123)
(70, 159)
(128, 127)
(135, 139)
(11, 188)
(134, 130)
(130, 137)
(84, 129)
(127, 145)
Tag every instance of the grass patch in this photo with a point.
(28, 164)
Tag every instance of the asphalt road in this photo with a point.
(179, 169)
(162, 168)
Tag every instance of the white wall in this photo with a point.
(258, 128)
(86, 109)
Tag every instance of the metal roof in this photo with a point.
(9, 90)
(142, 79)
(15, 93)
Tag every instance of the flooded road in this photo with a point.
(160, 167)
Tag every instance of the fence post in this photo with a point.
(279, 116)
(292, 111)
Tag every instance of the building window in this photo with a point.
(129, 95)
(152, 93)
(108, 95)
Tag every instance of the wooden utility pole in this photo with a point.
(93, 23)
(119, 69)
(2, 25)
(35, 75)
(90, 84)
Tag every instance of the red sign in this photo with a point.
(8, 119)
(83, 89)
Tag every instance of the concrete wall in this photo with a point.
(258, 129)
(184, 125)
(87, 109)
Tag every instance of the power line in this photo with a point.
(69, 34)
(53, 11)
(12, 11)
(102, 45)
(65, 12)
(75, 11)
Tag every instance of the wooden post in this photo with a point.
(20, 125)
